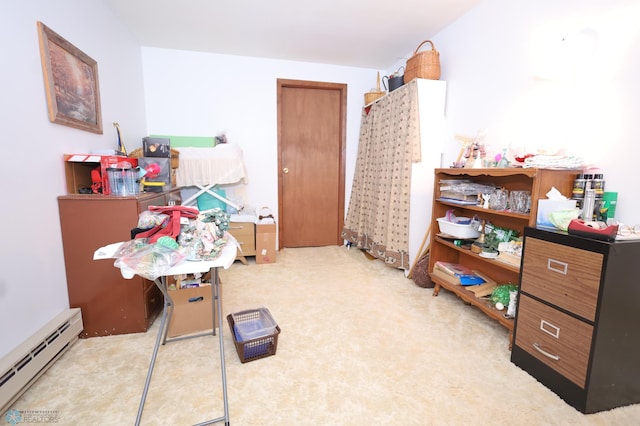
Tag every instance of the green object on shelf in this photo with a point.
(494, 235)
(501, 293)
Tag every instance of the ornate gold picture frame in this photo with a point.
(71, 82)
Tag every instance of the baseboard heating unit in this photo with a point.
(20, 368)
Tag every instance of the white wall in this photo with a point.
(33, 285)
(204, 94)
(489, 58)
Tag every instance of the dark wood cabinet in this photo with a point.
(577, 327)
(109, 303)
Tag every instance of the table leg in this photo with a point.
(223, 370)
(217, 308)
(160, 283)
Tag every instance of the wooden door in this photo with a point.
(311, 151)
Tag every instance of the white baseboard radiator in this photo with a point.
(20, 368)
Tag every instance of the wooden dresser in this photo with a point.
(109, 303)
(577, 328)
(245, 233)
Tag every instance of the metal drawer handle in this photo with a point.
(236, 227)
(557, 266)
(547, 327)
(545, 353)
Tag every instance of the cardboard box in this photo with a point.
(78, 167)
(191, 317)
(265, 243)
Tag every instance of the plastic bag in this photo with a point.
(561, 218)
(148, 219)
(147, 260)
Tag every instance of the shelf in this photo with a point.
(467, 252)
(492, 172)
(480, 209)
(483, 304)
(537, 181)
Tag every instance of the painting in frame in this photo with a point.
(71, 82)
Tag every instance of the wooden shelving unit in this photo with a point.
(537, 181)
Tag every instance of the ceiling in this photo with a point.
(354, 33)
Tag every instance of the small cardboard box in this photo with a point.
(78, 169)
(191, 317)
(156, 147)
(265, 243)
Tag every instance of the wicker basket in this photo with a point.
(370, 97)
(424, 64)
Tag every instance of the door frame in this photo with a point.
(304, 84)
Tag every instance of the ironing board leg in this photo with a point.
(202, 190)
(209, 189)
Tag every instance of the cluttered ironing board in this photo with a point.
(206, 167)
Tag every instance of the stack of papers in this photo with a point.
(456, 273)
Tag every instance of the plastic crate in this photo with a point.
(260, 347)
(253, 323)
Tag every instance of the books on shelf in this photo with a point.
(457, 274)
(460, 202)
(461, 196)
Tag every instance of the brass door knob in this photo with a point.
(285, 170)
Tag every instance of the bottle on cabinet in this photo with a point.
(588, 205)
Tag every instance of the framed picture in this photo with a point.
(71, 82)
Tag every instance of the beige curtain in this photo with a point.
(378, 214)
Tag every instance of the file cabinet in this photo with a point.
(577, 327)
(110, 304)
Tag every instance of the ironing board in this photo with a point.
(206, 167)
(224, 260)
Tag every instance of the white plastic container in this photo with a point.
(122, 181)
(252, 324)
(457, 230)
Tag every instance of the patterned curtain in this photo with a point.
(378, 214)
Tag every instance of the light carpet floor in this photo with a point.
(360, 345)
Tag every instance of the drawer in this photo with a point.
(563, 276)
(238, 229)
(244, 232)
(143, 204)
(558, 340)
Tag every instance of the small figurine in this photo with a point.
(485, 198)
(478, 244)
(503, 161)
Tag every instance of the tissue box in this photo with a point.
(545, 207)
